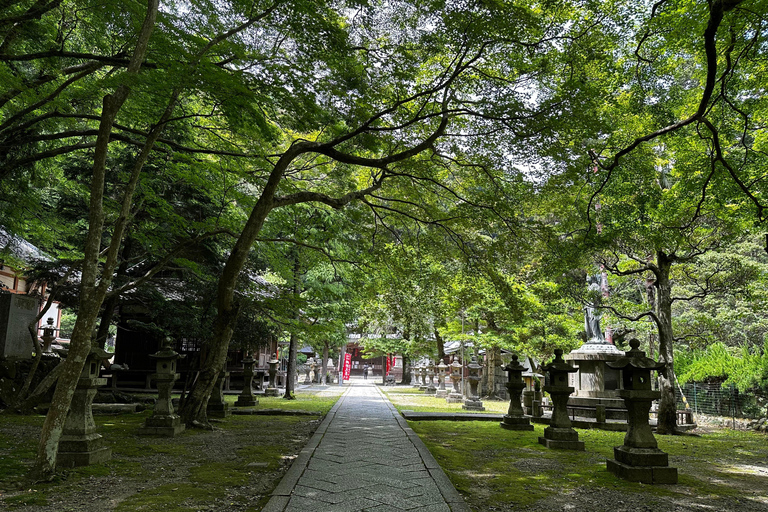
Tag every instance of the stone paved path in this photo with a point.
(364, 457)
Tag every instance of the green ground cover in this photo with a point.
(497, 469)
(409, 398)
(235, 466)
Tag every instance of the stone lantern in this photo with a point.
(80, 445)
(441, 375)
(473, 402)
(455, 397)
(639, 458)
(49, 335)
(423, 375)
(431, 389)
(308, 369)
(272, 389)
(217, 406)
(246, 397)
(164, 421)
(515, 419)
(559, 434)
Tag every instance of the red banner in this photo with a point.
(387, 358)
(347, 365)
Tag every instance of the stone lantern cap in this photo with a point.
(274, 360)
(635, 359)
(98, 353)
(514, 365)
(442, 364)
(558, 364)
(166, 353)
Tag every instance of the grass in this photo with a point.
(497, 469)
(409, 398)
(240, 461)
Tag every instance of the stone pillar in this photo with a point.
(217, 406)
(431, 389)
(164, 421)
(455, 396)
(49, 335)
(515, 419)
(80, 445)
(308, 369)
(272, 388)
(441, 392)
(246, 397)
(639, 458)
(473, 402)
(559, 434)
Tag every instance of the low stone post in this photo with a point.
(49, 335)
(559, 434)
(639, 458)
(441, 392)
(164, 420)
(455, 397)
(217, 406)
(423, 375)
(80, 445)
(431, 389)
(473, 402)
(308, 369)
(515, 419)
(272, 388)
(246, 397)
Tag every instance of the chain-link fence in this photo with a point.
(716, 400)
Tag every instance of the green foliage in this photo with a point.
(746, 368)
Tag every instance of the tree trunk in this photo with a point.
(293, 348)
(92, 290)
(668, 403)
(406, 380)
(324, 369)
(226, 309)
(440, 345)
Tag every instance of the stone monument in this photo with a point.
(455, 396)
(595, 384)
(639, 458)
(217, 406)
(80, 445)
(431, 389)
(246, 397)
(49, 335)
(515, 419)
(559, 434)
(441, 392)
(473, 402)
(164, 421)
(272, 388)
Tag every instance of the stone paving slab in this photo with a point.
(364, 457)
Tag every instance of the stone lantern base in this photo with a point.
(454, 398)
(516, 422)
(441, 393)
(270, 392)
(431, 390)
(473, 404)
(646, 465)
(561, 439)
(82, 451)
(166, 426)
(218, 410)
(246, 401)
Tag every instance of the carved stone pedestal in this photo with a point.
(515, 419)
(559, 434)
(217, 407)
(80, 445)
